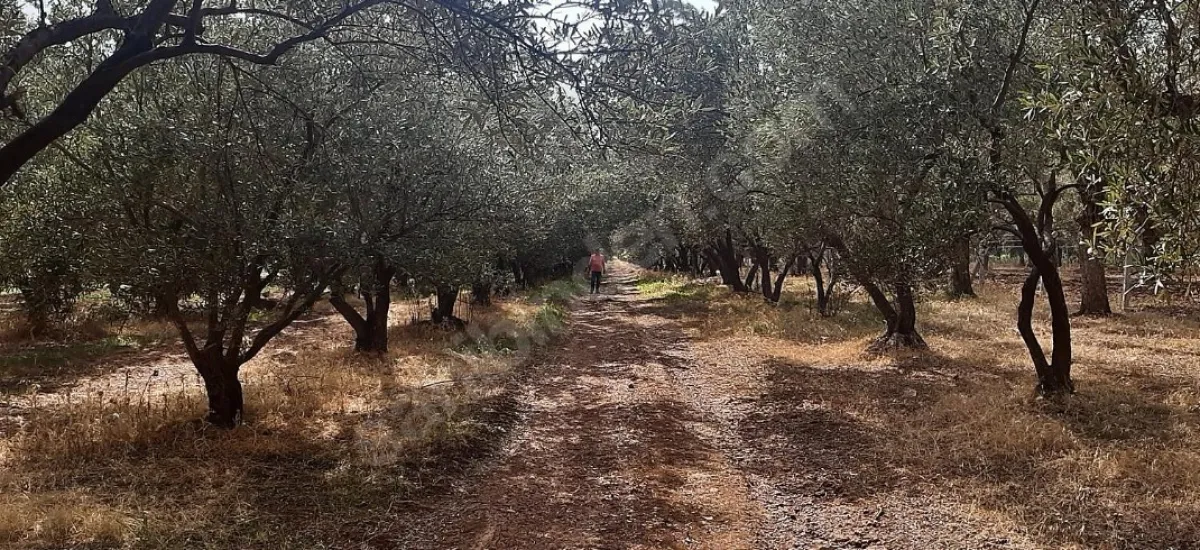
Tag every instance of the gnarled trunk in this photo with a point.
(824, 288)
(443, 312)
(771, 290)
(774, 293)
(723, 256)
(1054, 375)
(762, 258)
(960, 268)
(227, 345)
(750, 277)
(226, 402)
(901, 320)
(901, 317)
(370, 329)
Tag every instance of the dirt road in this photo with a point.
(610, 452)
(628, 440)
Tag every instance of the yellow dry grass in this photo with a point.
(1115, 466)
(326, 430)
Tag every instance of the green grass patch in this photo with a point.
(530, 331)
(551, 318)
(662, 285)
(559, 292)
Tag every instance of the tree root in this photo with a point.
(893, 341)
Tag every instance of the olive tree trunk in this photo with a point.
(723, 256)
(1093, 299)
(443, 312)
(226, 403)
(1054, 374)
(824, 288)
(961, 285)
(900, 314)
(370, 327)
(481, 294)
(227, 346)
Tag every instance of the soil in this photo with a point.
(633, 436)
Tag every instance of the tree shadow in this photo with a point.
(262, 485)
(615, 467)
(52, 366)
(601, 459)
(1111, 467)
(936, 325)
(818, 418)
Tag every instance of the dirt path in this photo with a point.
(633, 436)
(610, 452)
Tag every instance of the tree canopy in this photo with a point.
(193, 157)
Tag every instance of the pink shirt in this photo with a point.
(596, 263)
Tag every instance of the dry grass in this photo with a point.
(1115, 466)
(326, 431)
(709, 310)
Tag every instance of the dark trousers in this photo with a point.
(596, 281)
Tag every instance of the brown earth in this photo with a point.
(634, 437)
(697, 418)
(611, 452)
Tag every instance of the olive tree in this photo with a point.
(859, 141)
(209, 202)
(406, 178)
(1112, 94)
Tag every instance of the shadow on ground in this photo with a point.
(840, 434)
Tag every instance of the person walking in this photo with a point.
(596, 268)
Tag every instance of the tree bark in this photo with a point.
(750, 277)
(960, 268)
(1057, 380)
(901, 318)
(724, 257)
(447, 296)
(370, 330)
(1093, 298)
(481, 294)
(227, 347)
(375, 340)
(1054, 376)
(814, 266)
(901, 322)
(226, 402)
(762, 257)
(771, 290)
(777, 291)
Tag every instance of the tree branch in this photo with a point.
(1014, 60)
(38, 40)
